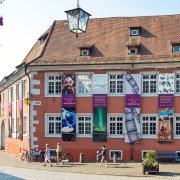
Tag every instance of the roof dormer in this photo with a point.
(135, 31)
(85, 50)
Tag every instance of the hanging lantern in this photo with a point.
(27, 101)
(77, 19)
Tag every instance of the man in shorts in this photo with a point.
(103, 156)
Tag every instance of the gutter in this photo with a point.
(25, 69)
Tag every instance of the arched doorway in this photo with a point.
(2, 135)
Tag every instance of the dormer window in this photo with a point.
(43, 38)
(85, 50)
(176, 48)
(133, 50)
(134, 31)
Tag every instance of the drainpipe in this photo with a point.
(25, 69)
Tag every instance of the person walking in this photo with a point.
(103, 156)
(47, 155)
(58, 152)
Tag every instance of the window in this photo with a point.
(116, 84)
(134, 32)
(176, 48)
(53, 84)
(25, 125)
(84, 125)
(177, 83)
(177, 125)
(149, 83)
(118, 152)
(12, 94)
(12, 126)
(85, 52)
(17, 92)
(24, 89)
(133, 50)
(53, 125)
(149, 126)
(144, 153)
(115, 125)
(177, 155)
(84, 84)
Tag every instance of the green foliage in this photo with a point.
(150, 160)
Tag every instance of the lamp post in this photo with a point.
(77, 19)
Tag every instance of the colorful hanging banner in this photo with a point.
(165, 106)
(166, 83)
(1, 21)
(99, 117)
(132, 110)
(68, 107)
(166, 116)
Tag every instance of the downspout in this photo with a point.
(29, 79)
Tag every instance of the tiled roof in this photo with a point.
(110, 38)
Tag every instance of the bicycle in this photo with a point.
(25, 155)
(66, 157)
(37, 155)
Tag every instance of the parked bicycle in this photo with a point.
(66, 157)
(37, 155)
(25, 155)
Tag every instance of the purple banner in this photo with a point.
(1, 21)
(68, 100)
(132, 100)
(166, 101)
(99, 100)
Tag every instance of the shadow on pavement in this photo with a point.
(9, 177)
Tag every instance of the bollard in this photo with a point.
(81, 158)
(114, 158)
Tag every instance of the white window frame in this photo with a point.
(175, 136)
(116, 115)
(145, 74)
(177, 79)
(116, 73)
(85, 52)
(46, 84)
(178, 159)
(47, 124)
(77, 84)
(134, 30)
(77, 124)
(175, 46)
(145, 151)
(149, 136)
(111, 158)
(136, 49)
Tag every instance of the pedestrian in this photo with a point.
(47, 155)
(58, 152)
(103, 156)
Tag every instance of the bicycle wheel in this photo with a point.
(70, 157)
(23, 157)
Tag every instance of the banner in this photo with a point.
(166, 83)
(166, 116)
(1, 21)
(166, 106)
(99, 117)
(68, 108)
(100, 83)
(132, 110)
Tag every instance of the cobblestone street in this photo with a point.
(35, 170)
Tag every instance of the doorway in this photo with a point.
(2, 135)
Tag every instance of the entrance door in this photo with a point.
(2, 135)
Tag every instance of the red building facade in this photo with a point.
(99, 62)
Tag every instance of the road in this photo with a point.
(14, 173)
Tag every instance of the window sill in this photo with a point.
(121, 95)
(115, 136)
(53, 135)
(149, 137)
(151, 95)
(84, 136)
(53, 95)
(84, 95)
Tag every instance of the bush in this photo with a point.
(150, 160)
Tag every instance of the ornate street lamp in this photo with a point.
(77, 19)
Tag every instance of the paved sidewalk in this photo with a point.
(167, 170)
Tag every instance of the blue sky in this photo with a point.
(26, 20)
